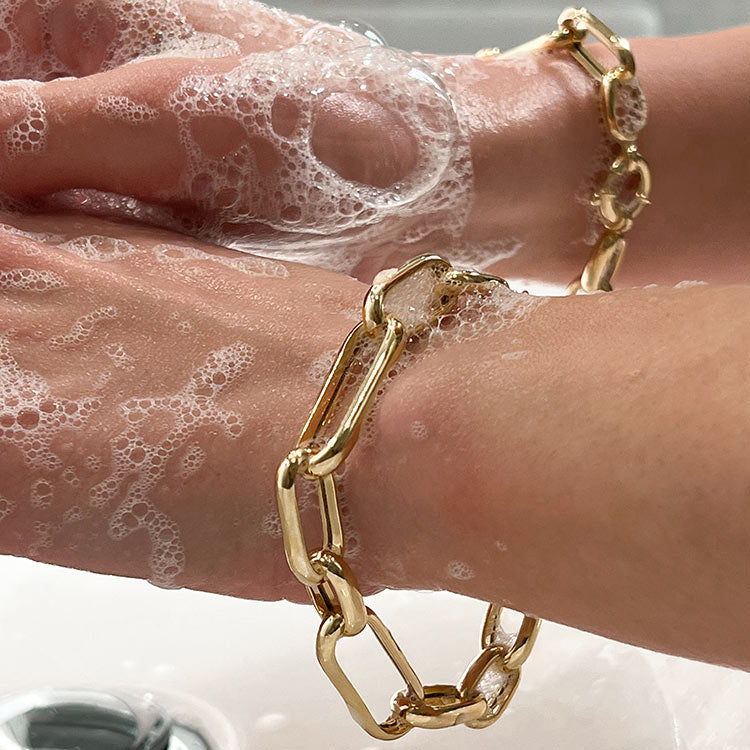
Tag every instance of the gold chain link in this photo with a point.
(330, 581)
(616, 216)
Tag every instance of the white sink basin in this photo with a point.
(247, 672)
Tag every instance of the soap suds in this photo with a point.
(460, 571)
(99, 248)
(6, 507)
(31, 416)
(138, 465)
(31, 280)
(83, 328)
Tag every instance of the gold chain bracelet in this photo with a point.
(616, 216)
(325, 572)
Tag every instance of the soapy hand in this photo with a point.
(148, 388)
(243, 126)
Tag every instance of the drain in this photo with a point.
(91, 720)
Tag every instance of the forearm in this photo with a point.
(537, 148)
(596, 476)
(529, 127)
(553, 462)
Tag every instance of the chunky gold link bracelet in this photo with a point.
(328, 578)
(616, 216)
(325, 572)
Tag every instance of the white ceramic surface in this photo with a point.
(248, 669)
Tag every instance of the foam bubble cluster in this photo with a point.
(28, 134)
(249, 265)
(99, 248)
(260, 186)
(70, 476)
(120, 358)
(108, 33)
(31, 416)
(30, 280)
(6, 507)
(192, 460)
(263, 188)
(83, 327)
(42, 492)
(124, 109)
(139, 464)
(461, 571)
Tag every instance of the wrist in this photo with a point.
(535, 139)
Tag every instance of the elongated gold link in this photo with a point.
(329, 580)
(573, 26)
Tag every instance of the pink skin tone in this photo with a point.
(627, 527)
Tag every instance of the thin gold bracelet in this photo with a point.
(321, 449)
(616, 216)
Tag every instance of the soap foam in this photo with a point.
(265, 179)
(83, 327)
(30, 416)
(192, 460)
(120, 358)
(42, 493)
(28, 134)
(6, 507)
(31, 280)
(99, 248)
(123, 109)
(460, 571)
(138, 465)
(251, 266)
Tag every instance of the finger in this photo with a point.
(42, 41)
(248, 142)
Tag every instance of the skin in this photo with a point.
(626, 527)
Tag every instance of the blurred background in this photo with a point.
(451, 27)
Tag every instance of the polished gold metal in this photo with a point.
(574, 25)
(442, 706)
(328, 578)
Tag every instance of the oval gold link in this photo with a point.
(332, 387)
(579, 19)
(373, 311)
(505, 659)
(442, 706)
(330, 516)
(612, 81)
(615, 214)
(338, 447)
(524, 641)
(295, 547)
(496, 697)
(339, 580)
(330, 632)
